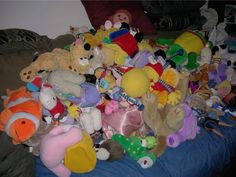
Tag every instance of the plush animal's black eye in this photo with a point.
(87, 46)
(54, 98)
(228, 63)
(91, 56)
(234, 63)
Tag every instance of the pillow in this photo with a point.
(99, 11)
(12, 40)
(10, 66)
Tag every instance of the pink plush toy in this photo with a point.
(53, 148)
(123, 121)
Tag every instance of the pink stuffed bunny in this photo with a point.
(53, 148)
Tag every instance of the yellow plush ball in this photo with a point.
(135, 82)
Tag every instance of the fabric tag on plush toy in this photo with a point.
(104, 84)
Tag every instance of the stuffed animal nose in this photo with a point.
(87, 46)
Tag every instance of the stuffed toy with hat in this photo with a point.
(75, 60)
(21, 115)
(67, 149)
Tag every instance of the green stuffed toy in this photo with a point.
(136, 149)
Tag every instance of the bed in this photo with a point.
(206, 155)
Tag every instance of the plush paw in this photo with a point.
(174, 98)
(28, 74)
(145, 162)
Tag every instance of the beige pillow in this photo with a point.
(10, 66)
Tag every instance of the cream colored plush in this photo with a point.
(76, 60)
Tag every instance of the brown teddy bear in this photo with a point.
(161, 121)
(167, 120)
(76, 60)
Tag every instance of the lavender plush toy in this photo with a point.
(219, 74)
(188, 131)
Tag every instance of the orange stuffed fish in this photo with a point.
(21, 115)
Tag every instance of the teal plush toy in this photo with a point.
(136, 149)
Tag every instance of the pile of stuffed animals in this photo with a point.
(114, 93)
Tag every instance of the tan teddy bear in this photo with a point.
(167, 120)
(162, 122)
(76, 60)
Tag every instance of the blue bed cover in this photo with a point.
(202, 157)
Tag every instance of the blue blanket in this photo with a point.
(204, 156)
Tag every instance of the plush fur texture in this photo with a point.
(75, 60)
(161, 121)
(15, 160)
(67, 82)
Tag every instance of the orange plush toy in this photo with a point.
(21, 115)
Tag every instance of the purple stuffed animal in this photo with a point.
(219, 74)
(188, 131)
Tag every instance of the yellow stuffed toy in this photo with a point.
(76, 60)
(163, 84)
(135, 82)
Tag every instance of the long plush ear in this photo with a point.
(151, 114)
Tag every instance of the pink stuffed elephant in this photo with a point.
(53, 148)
